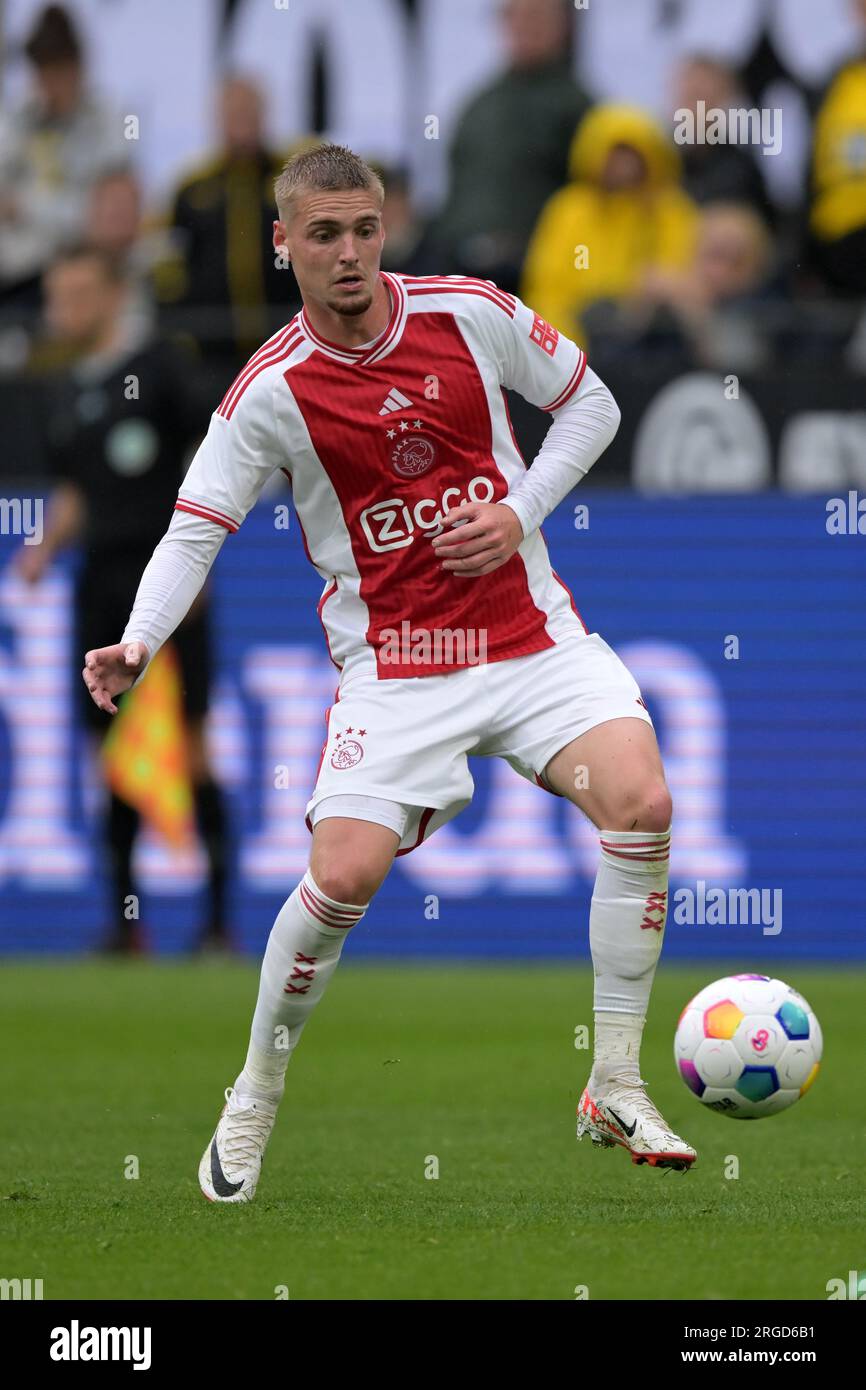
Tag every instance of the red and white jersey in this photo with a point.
(378, 443)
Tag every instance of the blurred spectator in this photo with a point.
(718, 172)
(510, 151)
(114, 225)
(117, 459)
(837, 205)
(709, 314)
(624, 214)
(407, 248)
(224, 281)
(51, 152)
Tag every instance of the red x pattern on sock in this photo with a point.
(655, 911)
(298, 974)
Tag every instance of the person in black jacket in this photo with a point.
(121, 421)
(509, 153)
(725, 172)
(223, 284)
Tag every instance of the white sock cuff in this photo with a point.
(324, 913)
(637, 847)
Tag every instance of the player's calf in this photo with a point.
(302, 953)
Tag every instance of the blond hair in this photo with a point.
(326, 167)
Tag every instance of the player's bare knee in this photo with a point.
(346, 882)
(656, 808)
(644, 806)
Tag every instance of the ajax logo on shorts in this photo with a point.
(392, 524)
(348, 751)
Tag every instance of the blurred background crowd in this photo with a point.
(687, 254)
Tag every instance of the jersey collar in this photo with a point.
(381, 346)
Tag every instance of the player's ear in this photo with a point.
(279, 238)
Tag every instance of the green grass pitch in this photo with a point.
(472, 1063)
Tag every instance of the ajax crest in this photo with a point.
(348, 751)
(413, 456)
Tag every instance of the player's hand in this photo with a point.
(108, 671)
(480, 538)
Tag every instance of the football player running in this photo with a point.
(383, 401)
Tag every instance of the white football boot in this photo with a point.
(231, 1163)
(620, 1112)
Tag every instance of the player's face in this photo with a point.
(335, 241)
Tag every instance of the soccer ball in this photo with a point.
(748, 1046)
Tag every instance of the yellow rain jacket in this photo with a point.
(839, 157)
(591, 244)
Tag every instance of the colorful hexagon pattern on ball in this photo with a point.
(748, 1046)
(794, 1019)
(723, 1019)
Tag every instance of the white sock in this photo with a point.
(301, 956)
(626, 926)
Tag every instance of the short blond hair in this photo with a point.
(326, 167)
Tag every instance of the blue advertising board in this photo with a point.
(742, 619)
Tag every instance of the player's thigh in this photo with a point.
(403, 746)
(350, 859)
(614, 773)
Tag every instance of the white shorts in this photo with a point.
(408, 740)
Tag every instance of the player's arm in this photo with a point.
(583, 426)
(551, 372)
(232, 465)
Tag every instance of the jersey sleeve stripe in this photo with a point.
(265, 357)
(209, 513)
(574, 381)
(256, 357)
(463, 289)
(457, 283)
(460, 282)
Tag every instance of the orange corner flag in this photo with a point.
(145, 753)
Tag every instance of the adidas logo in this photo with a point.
(395, 400)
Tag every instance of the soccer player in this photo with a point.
(383, 403)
